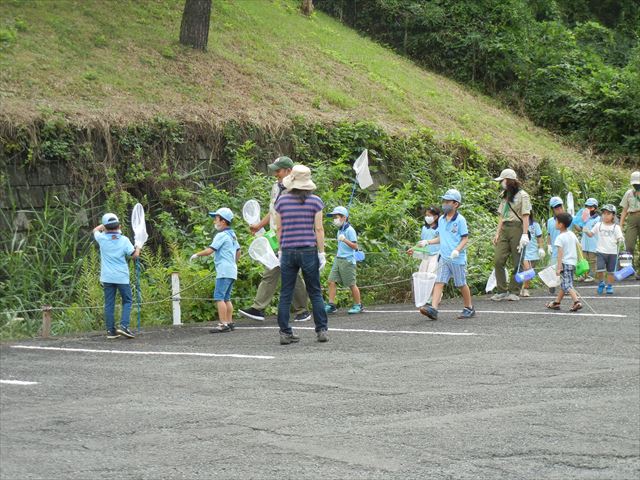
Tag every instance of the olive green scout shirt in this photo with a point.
(521, 205)
(630, 201)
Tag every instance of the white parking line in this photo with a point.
(594, 285)
(362, 330)
(18, 382)
(570, 314)
(137, 352)
(599, 297)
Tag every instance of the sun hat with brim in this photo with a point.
(109, 219)
(339, 211)
(507, 173)
(299, 179)
(591, 202)
(280, 163)
(555, 202)
(635, 178)
(452, 194)
(609, 208)
(223, 212)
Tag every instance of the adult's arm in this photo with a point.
(319, 229)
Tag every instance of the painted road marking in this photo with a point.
(600, 297)
(570, 314)
(362, 330)
(136, 352)
(17, 382)
(595, 284)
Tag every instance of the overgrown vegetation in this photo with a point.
(572, 66)
(55, 262)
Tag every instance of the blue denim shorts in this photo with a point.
(448, 269)
(223, 289)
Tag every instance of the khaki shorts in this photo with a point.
(343, 272)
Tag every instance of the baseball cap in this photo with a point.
(109, 219)
(223, 212)
(609, 208)
(507, 173)
(280, 162)
(591, 202)
(339, 211)
(555, 202)
(452, 194)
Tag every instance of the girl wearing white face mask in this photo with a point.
(429, 232)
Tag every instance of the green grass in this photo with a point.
(266, 63)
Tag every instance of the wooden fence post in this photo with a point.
(46, 321)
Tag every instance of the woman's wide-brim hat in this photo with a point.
(299, 178)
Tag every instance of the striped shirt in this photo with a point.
(297, 220)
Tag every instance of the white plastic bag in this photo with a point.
(139, 226)
(549, 277)
(492, 283)
(251, 214)
(423, 283)
(261, 251)
(571, 209)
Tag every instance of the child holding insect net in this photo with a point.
(429, 232)
(609, 237)
(567, 246)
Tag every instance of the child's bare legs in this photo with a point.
(436, 296)
(526, 266)
(333, 290)
(560, 296)
(609, 278)
(355, 292)
(222, 311)
(466, 296)
(574, 295)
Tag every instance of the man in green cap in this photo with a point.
(271, 278)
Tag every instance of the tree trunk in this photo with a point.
(307, 7)
(194, 29)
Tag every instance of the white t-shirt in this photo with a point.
(569, 244)
(608, 237)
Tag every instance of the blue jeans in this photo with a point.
(292, 261)
(110, 303)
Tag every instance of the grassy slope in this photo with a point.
(266, 63)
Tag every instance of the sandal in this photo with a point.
(576, 306)
(553, 305)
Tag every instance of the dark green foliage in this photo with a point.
(570, 65)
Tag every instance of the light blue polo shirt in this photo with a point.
(225, 244)
(531, 252)
(451, 233)
(429, 233)
(553, 233)
(114, 249)
(589, 244)
(344, 250)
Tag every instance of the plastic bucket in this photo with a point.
(272, 238)
(423, 284)
(582, 267)
(625, 260)
(549, 277)
(261, 251)
(526, 275)
(624, 273)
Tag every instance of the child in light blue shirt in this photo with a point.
(533, 252)
(343, 270)
(589, 244)
(226, 248)
(114, 273)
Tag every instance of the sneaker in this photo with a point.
(609, 289)
(220, 328)
(125, 332)
(322, 336)
(429, 311)
(525, 292)
(600, 288)
(287, 338)
(303, 317)
(252, 313)
(111, 334)
(232, 326)
(499, 297)
(588, 279)
(467, 313)
(512, 297)
(357, 308)
(330, 308)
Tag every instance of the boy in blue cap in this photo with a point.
(589, 244)
(114, 273)
(227, 252)
(557, 206)
(453, 236)
(343, 270)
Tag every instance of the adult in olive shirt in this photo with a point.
(630, 218)
(512, 235)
